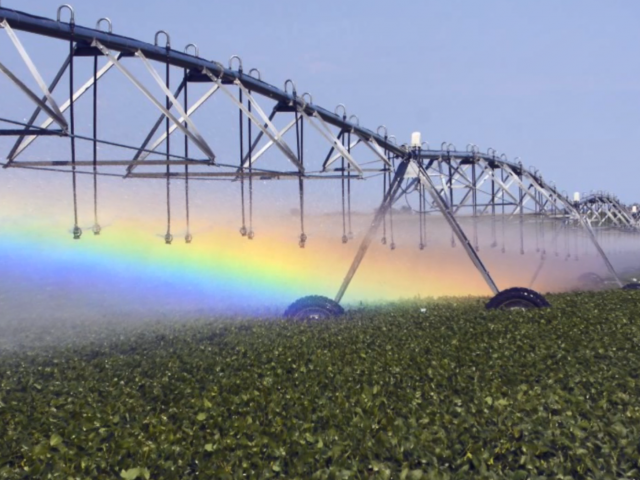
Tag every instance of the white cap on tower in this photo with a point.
(415, 139)
(634, 209)
(576, 197)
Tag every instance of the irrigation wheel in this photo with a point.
(517, 299)
(314, 307)
(591, 280)
(632, 286)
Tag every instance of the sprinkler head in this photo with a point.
(77, 232)
(188, 238)
(250, 235)
(421, 246)
(345, 239)
(522, 251)
(392, 246)
(494, 244)
(383, 240)
(453, 244)
(503, 250)
(243, 231)
(477, 248)
(350, 236)
(303, 240)
(168, 238)
(96, 229)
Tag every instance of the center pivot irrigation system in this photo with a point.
(460, 185)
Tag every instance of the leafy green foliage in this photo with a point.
(389, 392)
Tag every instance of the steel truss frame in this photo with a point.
(458, 183)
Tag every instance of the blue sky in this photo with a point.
(555, 83)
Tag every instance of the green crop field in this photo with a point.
(414, 390)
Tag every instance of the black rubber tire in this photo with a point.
(517, 298)
(632, 286)
(591, 279)
(314, 307)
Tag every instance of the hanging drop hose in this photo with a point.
(537, 221)
(77, 232)
(188, 237)
(345, 239)
(503, 219)
(350, 234)
(385, 172)
(521, 220)
(555, 227)
(243, 229)
(424, 221)
(168, 238)
(537, 228)
(392, 245)
(544, 243)
(250, 235)
(300, 146)
(420, 214)
(494, 242)
(96, 225)
(453, 237)
(475, 208)
(575, 244)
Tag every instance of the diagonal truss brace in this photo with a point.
(422, 175)
(331, 159)
(21, 147)
(376, 149)
(144, 152)
(34, 98)
(410, 168)
(269, 130)
(328, 135)
(194, 136)
(53, 111)
(266, 146)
